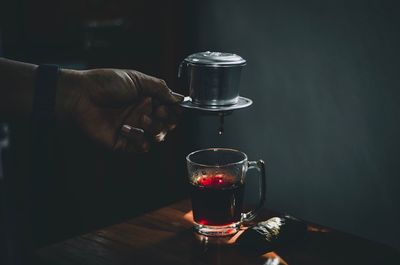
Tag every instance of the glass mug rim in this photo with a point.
(216, 149)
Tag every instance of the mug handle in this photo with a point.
(260, 166)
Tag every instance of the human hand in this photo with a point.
(124, 110)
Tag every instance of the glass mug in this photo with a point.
(217, 180)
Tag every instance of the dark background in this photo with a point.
(323, 77)
(78, 186)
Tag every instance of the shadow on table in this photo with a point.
(166, 237)
(186, 247)
(318, 247)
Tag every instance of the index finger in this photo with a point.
(154, 87)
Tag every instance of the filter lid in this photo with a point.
(215, 59)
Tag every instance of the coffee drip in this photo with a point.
(221, 124)
(213, 79)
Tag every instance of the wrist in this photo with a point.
(69, 88)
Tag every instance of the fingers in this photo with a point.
(177, 97)
(128, 130)
(160, 91)
(166, 115)
(144, 124)
(145, 107)
(132, 140)
(154, 129)
(161, 112)
(140, 129)
(152, 119)
(131, 137)
(154, 87)
(163, 119)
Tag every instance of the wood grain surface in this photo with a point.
(166, 236)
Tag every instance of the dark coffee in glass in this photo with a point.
(217, 199)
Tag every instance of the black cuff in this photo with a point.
(44, 100)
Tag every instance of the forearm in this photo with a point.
(17, 82)
(17, 88)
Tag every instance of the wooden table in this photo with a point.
(165, 236)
